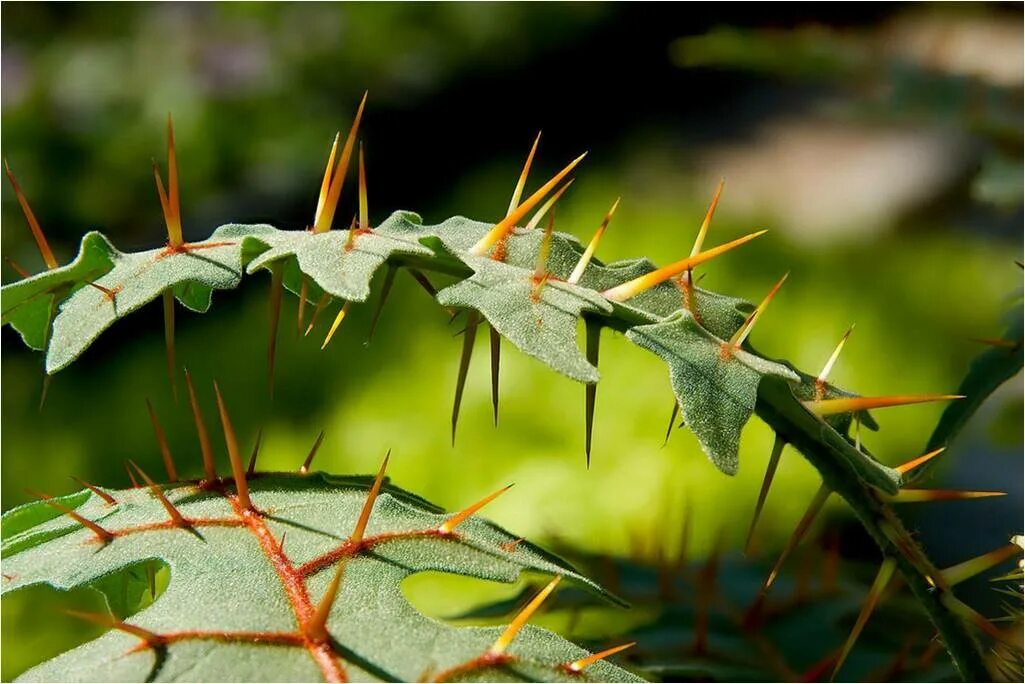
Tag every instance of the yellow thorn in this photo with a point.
(518, 192)
(965, 570)
(643, 283)
(926, 495)
(317, 309)
(829, 407)
(316, 628)
(327, 215)
(165, 450)
(802, 528)
(503, 642)
(540, 213)
(585, 258)
(337, 322)
(509, 222)
(541, 263)
(578, 665)
(325, 184)
(699, 241)
(915, 462)
(882, 580)
(745, 330)
(174, 223)
(305, 467)
(33, 224)
(824, 373)
(770, 472)
(204, 437)
(453, 522)
(368, 505)
(364, 213)
(232, 444)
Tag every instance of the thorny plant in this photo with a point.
(533, 286)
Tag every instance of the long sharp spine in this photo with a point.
(209, 469)
(165, 449)
(231, 442)
(505, 640)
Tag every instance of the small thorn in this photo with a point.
(305, 467)
(541, 262)
(276, 289)
(496, 361)
(578, 665)
(926, 495)
(44, 391)
(389, 280)
(807, 519)
(643, 283)
(325, 183)
(364, 213)
(535, 220)
(337, 322)
(131, 476)
(472, 320)
(915, 462)
(449, 525)
(503, 642)
(368, 505)
(107, 292)
(209, 470)
(304, 291)
(510, 546)
(102, 534)
(829, 407)
(738, 337)
(174, 216)
(232, 444)
(592, 246)
(168, 297)
(882, 580)
(770, 472)
(503, 227)
(172, 511)
(316, 628)
(699, 241)
(593, 333)
(256, 452)
(16, 267)
(33, 224)
(518, 192)
(321, 304)
(672, 420)
(965, 570)
(824, 373)
(325, 217)
(112, 623)
(96, 490)
(165, 450)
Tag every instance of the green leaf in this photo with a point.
(540, 321)
(716, 391)
(138, 278)
(329, 263)
(27, 303)
(235, 592)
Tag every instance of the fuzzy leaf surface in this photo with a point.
(716, 391)
(237, 600)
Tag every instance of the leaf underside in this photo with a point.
(242, 584)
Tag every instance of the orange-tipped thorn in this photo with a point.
(325, 183)
(824, 373)
(915, 462)
(305, 467)
(770, 472)
(364, 212)
(592, 246)
(535, 220)
(503, 227)
(699, 241)
(926, 495)
(33, 224)
(232, 444)
(518, 191)
(16, 267)
(317, 309)
(643, 283)
(745, 330)
(329, 202)
(209, 470)
(316, 628)
(505, 640)
(110, 622)
(449, 525)
(102, 534)
(337, 322)
(251, 469)
(368, 505)
(174, 222)
(829, 407)
(172, 511)
(131, 476)
(578, 665)
(882, 581)
(107, 292)
(965, 570)
(96, 490)
(165, 450)
(510, 546)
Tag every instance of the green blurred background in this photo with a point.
(881, 144)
